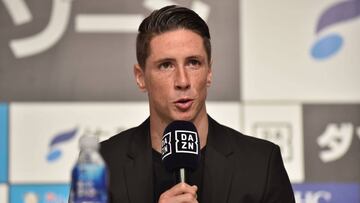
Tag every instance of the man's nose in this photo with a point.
(182, 81)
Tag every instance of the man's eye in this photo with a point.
(194, 63)
(165, 65)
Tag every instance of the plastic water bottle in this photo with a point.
(89, 175)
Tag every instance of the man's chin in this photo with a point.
(183, 117)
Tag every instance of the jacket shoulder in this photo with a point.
(242, 141)
(258, 166)
(118, 146)
(118, 142)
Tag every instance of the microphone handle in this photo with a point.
(182, 175)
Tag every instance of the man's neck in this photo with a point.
(157, 128)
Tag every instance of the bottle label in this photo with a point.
(89, 183)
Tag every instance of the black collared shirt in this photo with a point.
(164, 180)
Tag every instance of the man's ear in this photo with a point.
(140, 77)
(209, 75)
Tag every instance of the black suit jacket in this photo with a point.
(238, 168)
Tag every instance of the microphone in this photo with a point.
(180, 148)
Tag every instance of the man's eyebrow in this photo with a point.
(200, 57)
(195, 56)
(168, 59)
(161, 60)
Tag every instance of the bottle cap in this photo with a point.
(89, 141)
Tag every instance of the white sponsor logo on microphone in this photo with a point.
(186, 142)
(165, 145)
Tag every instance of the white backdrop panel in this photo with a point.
(3, 193)
(34, 125)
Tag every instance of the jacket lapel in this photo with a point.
(219, 167)
(138, 171)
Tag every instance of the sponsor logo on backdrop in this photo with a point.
(327, 193)
(39, 193)
(60, 139)
(328, 45)
(278, 133)
(84, 23)
(336, 140)
(332, 142)
(3, 143)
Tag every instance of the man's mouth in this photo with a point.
(184, 104)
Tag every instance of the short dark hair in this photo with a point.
(166, 19)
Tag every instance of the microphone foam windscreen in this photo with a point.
(180, 146)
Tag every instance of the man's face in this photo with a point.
(176, 76)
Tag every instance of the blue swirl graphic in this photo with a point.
(338, 13)
(53, 155)
(329, 45)
(60, 138)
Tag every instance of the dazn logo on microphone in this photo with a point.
(186, 142)
(166, 145)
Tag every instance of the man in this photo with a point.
(174, 68)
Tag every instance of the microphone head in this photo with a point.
(180, 146)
